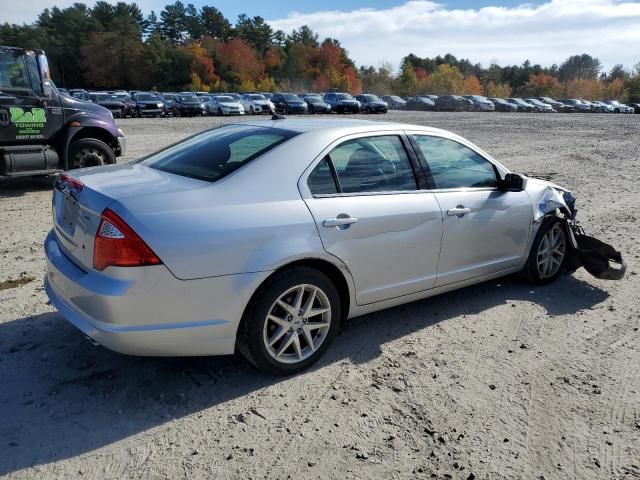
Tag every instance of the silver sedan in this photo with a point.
(263, 236)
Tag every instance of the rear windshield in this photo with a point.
(213, 154)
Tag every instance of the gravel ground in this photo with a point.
(499, 380)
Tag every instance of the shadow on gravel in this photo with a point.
(62, 397)
(16, 187)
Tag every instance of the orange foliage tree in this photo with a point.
(472, 86)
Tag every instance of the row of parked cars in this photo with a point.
(123, 103)
(478, 103)
(135, 103)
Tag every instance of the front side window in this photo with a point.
(454, 165)
(13, 74)
(213, 154)
(368, 164)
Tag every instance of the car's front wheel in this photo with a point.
(291, 321)
(548, 253)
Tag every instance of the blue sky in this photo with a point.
(484, 31)
(277, 9)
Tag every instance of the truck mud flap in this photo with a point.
(597, 257)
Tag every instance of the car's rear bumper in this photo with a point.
(146, 310)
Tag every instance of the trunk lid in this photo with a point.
(80, 199)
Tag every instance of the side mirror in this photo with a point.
(512, 182)
(45, 76)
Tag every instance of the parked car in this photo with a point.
(557, 106)
(619, 107)
(635, 106)
(541, 106)
(315, 103)
(522, 105)
(147, 104)
(342, 102)
(167, 99)
(80, 94)
(255, 103)
(370, 103)
(110, 102)
(287, 103)
(602, 107)
(224, 105)
(222, 269)
(420, 103)
(503, 106)
(187, 104)
(577, 104)
(394, 102)
(480, 103)
(453, 103)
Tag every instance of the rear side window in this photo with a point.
(368, 164)
(213, 154)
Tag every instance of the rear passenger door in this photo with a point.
(372, 213)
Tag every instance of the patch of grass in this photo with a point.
(14, 283)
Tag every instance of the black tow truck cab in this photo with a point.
(43, 131)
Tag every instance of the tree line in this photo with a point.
(183, 48)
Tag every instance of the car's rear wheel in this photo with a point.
(291, 321)
(548, 253)
(90, 152)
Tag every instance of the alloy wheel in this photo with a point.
(297, 324)
(551, 251)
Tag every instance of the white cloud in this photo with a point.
(545, 34)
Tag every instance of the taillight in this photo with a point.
(117, 245)
(74, 183)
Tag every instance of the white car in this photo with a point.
(225, 105)
(256, 103)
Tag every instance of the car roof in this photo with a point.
(351, 125)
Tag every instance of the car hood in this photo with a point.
(148, 102)
(229, 104)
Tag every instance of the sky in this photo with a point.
(376, 31)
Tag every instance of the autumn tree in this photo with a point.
(544, 85)
(446, 80)
(472, 86)
(500, 90)
(587, 88)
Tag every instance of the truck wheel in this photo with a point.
(90, 152)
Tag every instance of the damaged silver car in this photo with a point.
(264, 236)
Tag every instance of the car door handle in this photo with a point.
(459, 211)
(340, 221)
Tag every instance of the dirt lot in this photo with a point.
(495, 381)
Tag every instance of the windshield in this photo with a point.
(395, 98)
(146, 97)
(107, 98)
(371, 98)
(189, 98)
(213, 154)
(168, 96)
(344, 96)
(256, 97)
(291, 97)
(222, 98)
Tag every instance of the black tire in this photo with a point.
(284, 110)
(90, 152)
(220, 112)
(250, 338)
(531, 271)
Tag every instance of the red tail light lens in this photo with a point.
(74, 183)
(117, 245)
